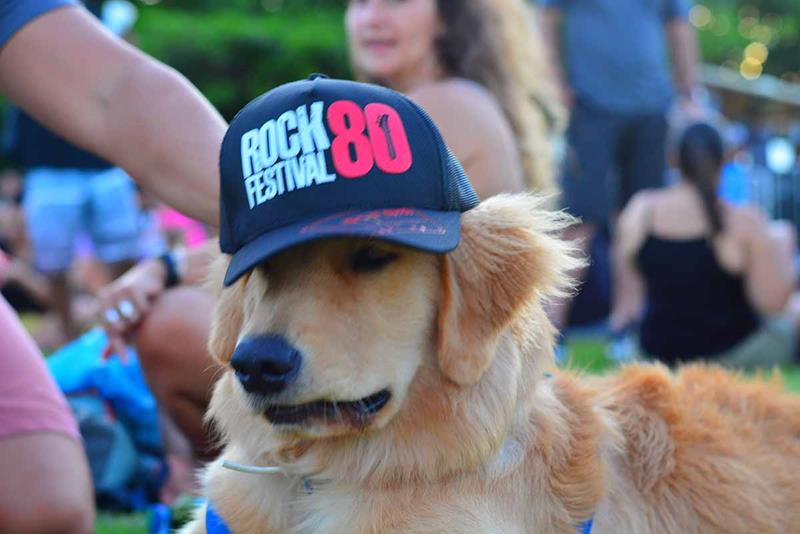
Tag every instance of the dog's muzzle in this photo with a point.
(266, 365)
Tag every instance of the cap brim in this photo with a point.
(430, 231)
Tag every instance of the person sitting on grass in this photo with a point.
(708, 280)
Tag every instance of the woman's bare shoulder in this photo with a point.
(459, 99)
(632, 223)
(639, 206)
(476, 130)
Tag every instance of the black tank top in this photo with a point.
(695, 307)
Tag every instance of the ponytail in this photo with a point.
(700, 155)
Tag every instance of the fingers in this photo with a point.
(119, 317)
(128, 311)
(128, 300)
(116, 345)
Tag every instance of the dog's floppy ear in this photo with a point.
(228, 313)
(509, 258)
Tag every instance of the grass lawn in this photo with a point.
(587, 354)
(122, 524)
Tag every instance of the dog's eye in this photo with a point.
(369, 259)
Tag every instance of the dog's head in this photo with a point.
(338, 337)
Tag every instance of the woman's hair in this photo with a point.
(700, 157)
(495, 43)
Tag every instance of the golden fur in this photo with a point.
(483, 433)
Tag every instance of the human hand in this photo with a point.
(126, 302)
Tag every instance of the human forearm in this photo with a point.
(771, 275)
(685, 55)
(36, 285)
(628, 297)
(196, 262)
(106, 96)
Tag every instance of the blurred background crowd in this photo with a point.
(696, 104)
(56, 261)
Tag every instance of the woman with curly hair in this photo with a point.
(471, 64)
(476, 67)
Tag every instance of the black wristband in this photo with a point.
(172, 279)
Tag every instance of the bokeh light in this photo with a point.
(700, 16)
(750, 69)
(757, 52)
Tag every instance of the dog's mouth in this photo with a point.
(357, 413)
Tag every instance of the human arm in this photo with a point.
(473, 126)
(34, 284)
(684, 50)
(629, 291)
(769, 258)
(104, 95)
(143, 284)
(552, 21)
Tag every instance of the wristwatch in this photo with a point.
(174, 264)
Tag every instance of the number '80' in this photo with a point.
(366, 137)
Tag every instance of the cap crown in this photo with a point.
(317, 147)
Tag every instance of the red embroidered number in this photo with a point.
(363, 138)
(389, 139)
(346, 120)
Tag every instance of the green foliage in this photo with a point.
(235, 55)
(737, 23)
(234, 50)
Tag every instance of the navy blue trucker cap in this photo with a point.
(321, 158)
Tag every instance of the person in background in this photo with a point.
(610, 58)
(72, 194)
(471, 64)
(706, 278)
(105, 96)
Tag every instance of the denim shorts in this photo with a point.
(63, 204)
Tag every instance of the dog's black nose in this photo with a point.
(265, 364)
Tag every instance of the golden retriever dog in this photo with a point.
(418, 393)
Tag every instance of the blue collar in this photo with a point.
(216, 525)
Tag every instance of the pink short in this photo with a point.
(30, 401)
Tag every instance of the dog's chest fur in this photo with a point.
(462, 506)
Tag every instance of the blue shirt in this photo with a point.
(616, 52)
(14, 14)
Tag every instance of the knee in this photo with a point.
(179, 314)
(51, 514)
(174, 335)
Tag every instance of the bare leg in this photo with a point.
(46, 487)
(172, 348)
(62, 303)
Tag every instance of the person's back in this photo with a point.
(705, 277)
(697, 304)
